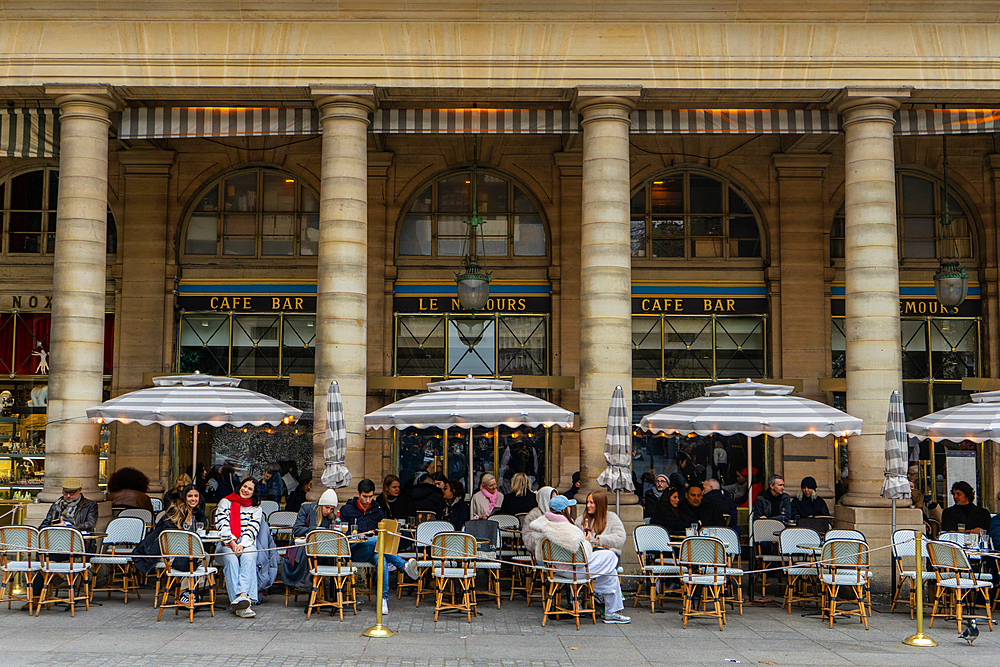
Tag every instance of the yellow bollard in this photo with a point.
(379, 630)
(919, 639)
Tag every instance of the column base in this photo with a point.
(876, 525)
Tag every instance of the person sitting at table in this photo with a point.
(652, 497)
(693, 510)
(520, 500)
(964, 511)
(171, 495)
(574, 488)
(713, 494)
(773, 503)
(456, 508)
(272, 486)
(363, 514)
(320, 514)
(602, 565)
(488, 498)
(543, 496)
(395, 503)
(237, 518)
(297, 497)
(427, 494)
(127, 487)
(808, 503)
(601, 526)
(184, 513)
(667, 512)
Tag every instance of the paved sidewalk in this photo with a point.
(115, 634)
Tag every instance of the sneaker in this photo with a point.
(185, 598)
(385, 607)
(411, 569)
(246, 612)
(617, 617)
(241, 602)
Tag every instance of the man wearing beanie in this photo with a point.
(808, 503)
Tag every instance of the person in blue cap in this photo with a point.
(556, 526)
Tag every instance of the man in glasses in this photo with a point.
(72, 510)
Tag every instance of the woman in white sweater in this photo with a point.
(601, 527)
(238, 517)
(529, 537)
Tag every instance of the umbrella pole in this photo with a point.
(470, 466)
(618, 502)
(753, 577)
(892, 575)
(194, 455)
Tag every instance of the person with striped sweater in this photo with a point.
(237, 518)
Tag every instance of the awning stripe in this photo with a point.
(475, 121)
(29, 133)
(186, 122)
(735, 121)
(947, 121)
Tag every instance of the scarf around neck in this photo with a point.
(234, 517)
(492, 497)
(67, 510)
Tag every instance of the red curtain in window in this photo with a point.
(30, 331)
(6, 343)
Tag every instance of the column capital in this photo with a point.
(101, 96)
(589, 98)
(360, 97)
(882, 98)
(146, 162)
(801, 165)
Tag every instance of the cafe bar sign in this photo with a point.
(681, 298)
(505, 297)
(918, 300)
(249, 298)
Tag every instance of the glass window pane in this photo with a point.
(744, 240)
(646, 347)
(310, 203)
(918, 237)
(241, 192)
(455, 194)
(279, 192)
(24, 236)
(54, 190)
(493, 246)
(637, 233)
(298, 344)
(453, 225)
(913, 336)
(309, 237)
(954, 349)
(210, 202)
(239, 232)
(491, 193)
(471, 346)
(278, 225)
(522, 345)
(638, 204)
(278, 235)
(737, 205)
(204, 344)
(521, 202)
(666, 196)
(493, 225)
(706, 247)
(255, 344)
(529, 236)
(423, 202)
(415, 235)
(50, 236)
(838, 348)
(918, 196)
(26, 191)
(420, 345)
(739, 343)
(702, 225)
(706, 195)
(687, 343)
(451, 247)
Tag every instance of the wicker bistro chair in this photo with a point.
(522, 575)
(269, 507)
(955, 579)
(157, 504)
(765, 544)
(123, 534)
(487, 534)
(138, 513)
(454, 559)
(904, 545)
(18, 556)
(703, 562)
(801, 571)
(426, 532)
(656, 558)
(734, 573)
(176, 547)
(844, 564)
(570, 569)
(329, 555)
(962, 540)
(281, 525)
(64, 554)
(845, 534)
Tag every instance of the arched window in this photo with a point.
(255, 213)
(434, 225)
(919, 212)
(29, 213)
(691, 214)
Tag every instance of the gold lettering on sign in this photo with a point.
(457, 305)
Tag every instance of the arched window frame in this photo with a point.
(47, 212)
(643, 250)
(305, 219)
(968, 240)
(435, 212)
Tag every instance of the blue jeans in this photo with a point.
(366, 552)
(240, 572)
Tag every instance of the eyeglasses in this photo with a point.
(70, 493)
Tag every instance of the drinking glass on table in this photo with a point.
(961, 527)
(200, 528)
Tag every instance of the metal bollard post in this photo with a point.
(919, 639)
(379, 630)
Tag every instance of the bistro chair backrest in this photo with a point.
(950, 562)
(505, 521)
(18, 543)
(453, 546)
(651, 539)
(904, 543)
(138, 513)
(124, 530)
(704, 556)
(845, 534)
(764, 530)
(157, 504)
(181, 543)
(846, 560)
(63, 540)
(791, 541)
(325, 543)
(570, 564)
(269, 507)
(282, 519)
(484, 530)
(728, 537)
(428, 529)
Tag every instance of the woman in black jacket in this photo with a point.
(428, 495)
(667, 512)
(521, 499)
(456, 509)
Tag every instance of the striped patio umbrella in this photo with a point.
(618, 447)
(978, 421)
(466, 403)
(193, 400)
(335, 474)
(896, 485)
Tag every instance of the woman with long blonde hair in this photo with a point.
(601, 526)
(520, 500)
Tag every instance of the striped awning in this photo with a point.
(752, 409)
(978, 421)
(189, 122)
(735, 121)
(475, 121)
(947, 121)
(29, 133)
(466, 403)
